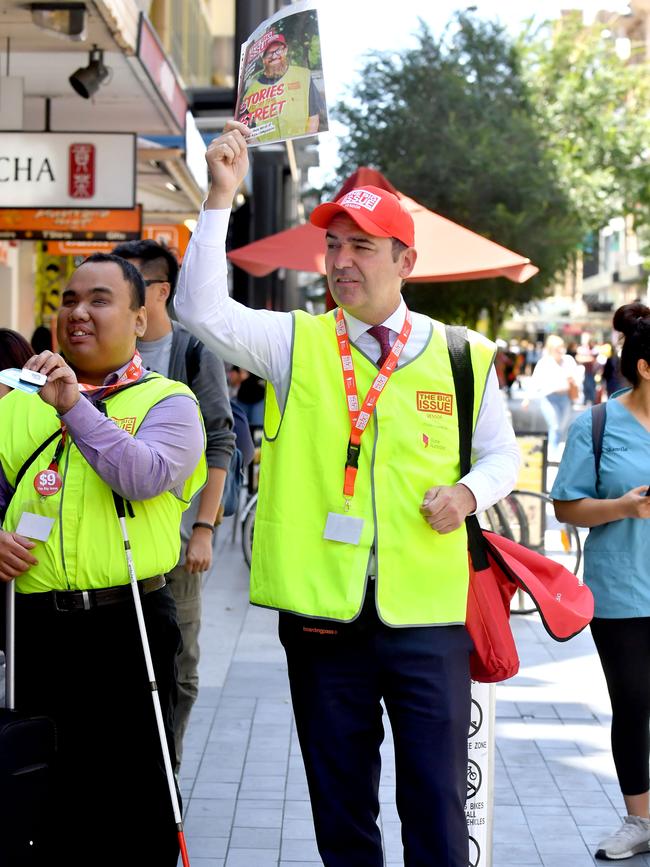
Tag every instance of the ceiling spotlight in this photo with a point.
(88, 79)
(61, 19)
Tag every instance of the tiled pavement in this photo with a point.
(242, 778)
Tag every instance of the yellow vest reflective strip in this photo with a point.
(285, 104)
(410, 445)
(85, 549)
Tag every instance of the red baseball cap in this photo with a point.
(374, 210)
(275, 37)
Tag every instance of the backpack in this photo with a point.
(598, 418)
(235, 475)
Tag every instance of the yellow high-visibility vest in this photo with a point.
(84, 549)
(410, 445)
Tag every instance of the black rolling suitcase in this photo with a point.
(27, 749)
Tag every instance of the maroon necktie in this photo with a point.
(382, 336)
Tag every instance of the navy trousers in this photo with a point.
(86, 670)
(338, 678)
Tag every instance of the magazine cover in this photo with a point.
(281, 92)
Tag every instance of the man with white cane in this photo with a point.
(106, 456)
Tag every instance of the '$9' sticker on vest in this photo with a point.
(47, 483)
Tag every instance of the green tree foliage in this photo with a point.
(595, 108)
(451, 124)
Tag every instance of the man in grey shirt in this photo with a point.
(170, 349)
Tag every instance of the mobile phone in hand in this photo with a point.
(23, 380)
(33, 377)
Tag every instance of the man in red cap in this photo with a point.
(282, 100)
(360, 540)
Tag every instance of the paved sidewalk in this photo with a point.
(242, 777)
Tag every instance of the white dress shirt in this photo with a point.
(260, 341)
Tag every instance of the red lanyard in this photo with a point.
(49, 482)
(131, 374)
(359, 418)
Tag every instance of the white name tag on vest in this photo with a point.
(343, 528)
(34, 526)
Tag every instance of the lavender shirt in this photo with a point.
(160, 457)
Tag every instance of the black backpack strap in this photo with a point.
(598, 420)
(34, 455)
(193, 359)
(21, 472)
(463, 373)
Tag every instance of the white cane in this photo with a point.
(119, 505)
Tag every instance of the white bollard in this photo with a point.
(479, 808)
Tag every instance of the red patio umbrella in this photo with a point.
(446, 251)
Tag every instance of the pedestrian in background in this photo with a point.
(360, 540)
(612, 502)
(586, 358)
(612, 374)
(555, 382)
(14, 352)
(41, 339)
(170, 349)
(105, 426)
(250, 397)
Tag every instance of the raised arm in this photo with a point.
(227, 158)
(255, 340)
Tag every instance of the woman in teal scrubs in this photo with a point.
(615, 507)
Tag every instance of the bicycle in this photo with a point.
(527, 517)
(510, 517)
(245, 514)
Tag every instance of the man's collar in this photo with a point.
(113, 377)
(356, 327)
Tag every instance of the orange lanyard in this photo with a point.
(131, 374)
(359, 418)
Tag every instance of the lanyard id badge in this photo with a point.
(48, 482)
(359, 417)
(344, 527)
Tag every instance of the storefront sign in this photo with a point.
(51, 224)
(67, 169)
(158, 67)
(78, 248)
(81, 177)
(176, 237)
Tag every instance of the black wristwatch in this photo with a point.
(203, 524)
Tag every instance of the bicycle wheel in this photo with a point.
(528, 517)
(247, 529)
(514, 519)
(507, 518)
(493, 519)
(547, 535)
